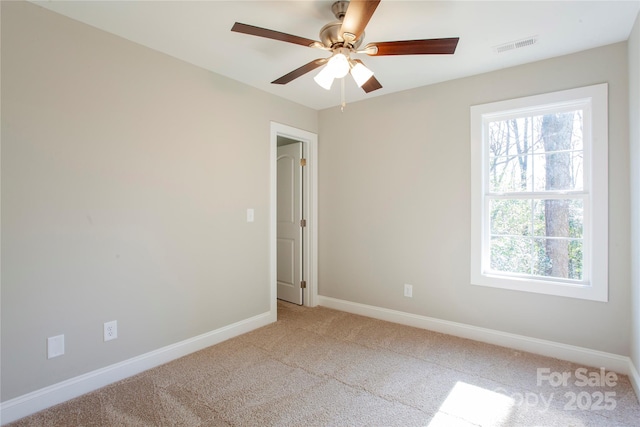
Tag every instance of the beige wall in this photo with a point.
(634, 140)
(125, 179)
(394, 198)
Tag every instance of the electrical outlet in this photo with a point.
(55, 346)
(110, 330)
(408, 291)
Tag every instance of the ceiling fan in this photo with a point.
(343, 38)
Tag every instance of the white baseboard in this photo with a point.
(579, 355)
(38, 400)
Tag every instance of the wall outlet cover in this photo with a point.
(110, 330)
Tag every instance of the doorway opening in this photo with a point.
(290, 213)
(305, 278)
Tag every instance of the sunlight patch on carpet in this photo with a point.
(473, 405)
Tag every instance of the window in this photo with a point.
(540, 194)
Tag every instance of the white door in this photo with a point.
(289, 234)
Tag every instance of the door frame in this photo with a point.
(310, 203)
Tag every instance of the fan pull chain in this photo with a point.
(343, 103)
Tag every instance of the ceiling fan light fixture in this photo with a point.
(339, 65)
(361, 73)
(324, 78)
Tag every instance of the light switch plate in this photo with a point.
(250, 215)
(55, 346)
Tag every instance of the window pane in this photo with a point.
(577, 170)
(558, 171)
(511, 254)
(575, 259)
(561, 136)
(558, 218)
(538, 143)
(510, 174)
(510, 144)
(510, 217)
(558, 258)
(539, 153)
(576, 218)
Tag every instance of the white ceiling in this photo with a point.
(199, 32)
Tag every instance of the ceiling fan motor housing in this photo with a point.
(330, 36)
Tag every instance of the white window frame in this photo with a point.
(594, 285)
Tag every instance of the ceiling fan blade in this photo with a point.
(300, 71)
(357, 17)
(414, 47)
(271, 34)
(371, 84)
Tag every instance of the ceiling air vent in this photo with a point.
(516, 44)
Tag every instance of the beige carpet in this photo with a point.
(320, 367)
